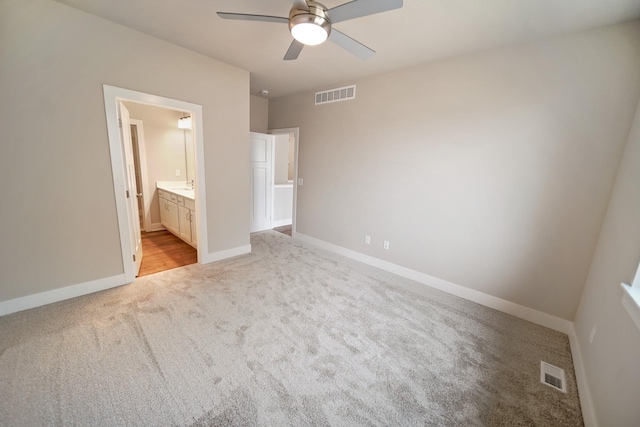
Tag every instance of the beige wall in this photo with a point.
(491, 171)
(164, 148)
(291, 169)
(62, 228)
(612, 361)
(259, 114)
(281, 154)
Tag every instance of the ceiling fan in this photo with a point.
(311, 23)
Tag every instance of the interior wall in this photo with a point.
(55, 60)
(291, 169)
(281, 154)
(611, 360)
(259, 114)
(491, 171)
(164, 148)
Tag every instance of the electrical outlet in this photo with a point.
(367, 239)
(300, 181)
(386, 245)
(177, 172)
(592, 335)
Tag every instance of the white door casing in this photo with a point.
(112, 96)
(261, 181)
(130, 185)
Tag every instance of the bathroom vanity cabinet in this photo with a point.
(186, 220)
(178, 214)
(169, 211)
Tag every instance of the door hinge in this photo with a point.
(134, 257)
(120, 122)
(127, 194)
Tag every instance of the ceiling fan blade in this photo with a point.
(301, 4)
(294, 50)
(353, 46)
(248, 17)
(359, 8)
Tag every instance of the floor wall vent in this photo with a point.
(553, 376)
(335, 95)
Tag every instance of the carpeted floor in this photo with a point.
(288, 335)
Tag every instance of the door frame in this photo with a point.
(296, 132)
(112, 95)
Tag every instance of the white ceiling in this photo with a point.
(423, 30)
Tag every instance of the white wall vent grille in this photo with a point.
(553, 376)
(335, 95)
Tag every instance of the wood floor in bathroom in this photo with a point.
(163, 251)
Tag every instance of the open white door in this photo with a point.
(131, 188)
(261, 181)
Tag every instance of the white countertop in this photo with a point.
(181, 188)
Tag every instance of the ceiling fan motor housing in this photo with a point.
(316, 15)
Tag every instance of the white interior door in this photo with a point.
(261, 181)
(131, 187)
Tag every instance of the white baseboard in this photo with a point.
(68, 292)
(60, 294)
(586, 402)
(281, 222)
(526, 313)
(228, 253)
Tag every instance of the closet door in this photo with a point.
(261, 181)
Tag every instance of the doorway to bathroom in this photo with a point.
(185, 216)
(164, 160)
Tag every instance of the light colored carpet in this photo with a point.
(288, 335)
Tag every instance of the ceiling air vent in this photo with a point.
(334, 95)
(552, 376)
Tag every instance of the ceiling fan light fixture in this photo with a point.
(309, 34)
(310, 27)
(310, 23)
